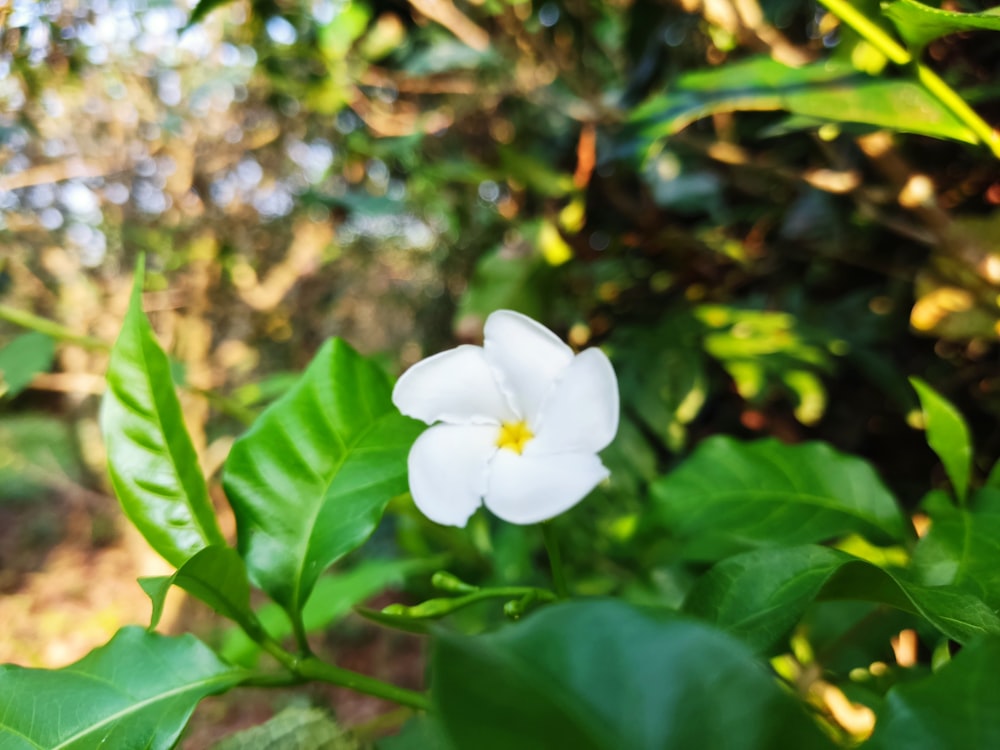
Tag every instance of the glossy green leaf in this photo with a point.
(760, 596)
(151, 460)
(947, 435)
(956, 707)
(730, 496)
(604, 675)
(919, 24)
(333, 597)
(826, 90)
(22, 359)
(962, 549)
(310, 479)
(136, 691)
(217, 576)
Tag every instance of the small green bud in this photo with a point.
(445, 581)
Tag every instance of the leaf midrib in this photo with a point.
(135, 707)
(349, 448)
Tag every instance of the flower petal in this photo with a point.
(527, 489)
(526, 357)
(449, 470)
(581, 413)
(456, 386)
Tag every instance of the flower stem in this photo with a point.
(50, 328)
(308, 667)
(555, 560)
(313, 669)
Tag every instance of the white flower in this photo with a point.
(517, 424)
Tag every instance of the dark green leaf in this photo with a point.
(22, 359)
(827, 90)
(919, 24)
(661, 373)
(310, 479)
(603, 675)
(947, 435)
(759, 596)
(962, 549)
(151, 460)
(138, 690)
(730, 496)
(215, 575)
(956, 707)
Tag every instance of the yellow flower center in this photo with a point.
(514, 436)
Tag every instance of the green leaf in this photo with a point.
(947, 435)
(603, 675)
(827, 90)
(501, 281)
(22, 359)
(217, 576)
(333, 598)
(138, 690)
(151, 460)
(956, 707)
(760, 596)
(661, 373)
(729, 496)
(421, 733)
(36, 452)
(962, 549)
(295, 727)
(310, 479)
(202, 9)
(919, 24)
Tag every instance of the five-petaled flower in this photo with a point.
(516, 424)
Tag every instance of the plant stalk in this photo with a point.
(50, 328)
(313, 669)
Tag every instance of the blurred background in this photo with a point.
(390, 172)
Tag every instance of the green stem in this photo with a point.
(301, 639)
(555, 560)
(435, 608)
(60, 332)
(228, 406)
(269, 680)
(313, 669)
(894, 51)
(958, 106)
(874, 34)
(50, 328)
